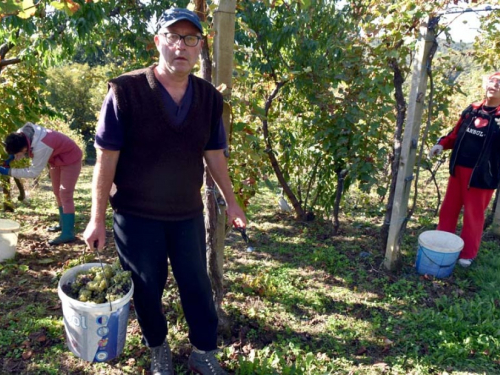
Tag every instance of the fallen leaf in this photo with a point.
(361, 350)
(381, 365)
(57, 306)
(41, 338)
(27, 354)
(388, 342)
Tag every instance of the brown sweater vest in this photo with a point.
(160, 170)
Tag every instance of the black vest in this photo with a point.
(160, 169)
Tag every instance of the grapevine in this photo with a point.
(99, 286)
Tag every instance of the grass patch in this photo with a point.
(303, 302)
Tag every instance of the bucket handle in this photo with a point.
(439, 265)
(102, 267)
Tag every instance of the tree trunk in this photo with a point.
(300, 213)
(4, 49)
(8, 205)
(338, 195)
(396, 150)
(7, 201)
(20, 187)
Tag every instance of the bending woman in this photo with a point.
(45, 146)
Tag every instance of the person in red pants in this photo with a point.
(474, 168)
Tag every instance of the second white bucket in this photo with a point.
(8, 238)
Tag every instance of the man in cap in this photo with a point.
(156, 128)
(474, 168)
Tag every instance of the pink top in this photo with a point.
(65, 151)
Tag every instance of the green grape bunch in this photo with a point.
(98, 285)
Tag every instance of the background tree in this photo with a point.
(76, 92)
(320, 86)
(306, 98)
(37, 36)
(327, 95)
(47, 34)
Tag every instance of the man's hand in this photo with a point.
(435, 150)
(236, 216)
(95, 234)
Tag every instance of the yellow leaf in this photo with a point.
(29, 9)
(68, 6)
(58, 5)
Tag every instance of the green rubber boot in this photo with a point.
(58, 227)
(68, 230)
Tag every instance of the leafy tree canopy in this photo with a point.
(35, 36)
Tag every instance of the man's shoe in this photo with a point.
(205, 363)
(161, 360)
(465, 262)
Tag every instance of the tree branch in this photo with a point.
(4, 63)
(5, 48)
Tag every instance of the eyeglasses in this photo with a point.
(189, 40)
(494, 82)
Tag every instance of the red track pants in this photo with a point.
(474, 201)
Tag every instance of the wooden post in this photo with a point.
(223, 50)
(409, 147)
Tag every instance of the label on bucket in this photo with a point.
(96, 336)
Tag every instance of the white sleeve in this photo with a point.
(39, 162)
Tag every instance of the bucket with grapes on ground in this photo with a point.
(95, 302)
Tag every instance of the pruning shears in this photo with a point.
(243, 232)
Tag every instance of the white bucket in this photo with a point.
(438, 252)
(94, 332)
(8, 238)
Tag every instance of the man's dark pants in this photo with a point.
(145, 247)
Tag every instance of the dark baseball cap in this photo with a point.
(173, 15)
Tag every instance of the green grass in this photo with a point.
(303, 302)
